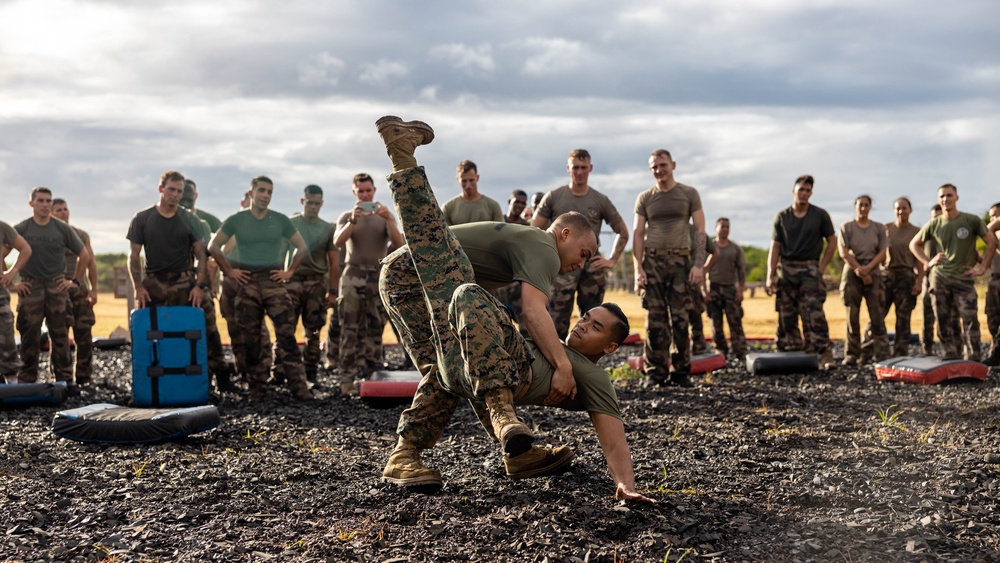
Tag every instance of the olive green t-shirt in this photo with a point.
(731, 266)
(48, 245)
(212, 221)
(260, 240)
(594, 205)
(594, 391)
(899, 245)
(502, 253)
(668, 215)
(956, 239)
(318, 236)
(863, 242)
(457, 211)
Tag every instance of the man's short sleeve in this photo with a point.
(778, 233)
(229, 225)
(826, 227)
(134, 234)
(545, 206)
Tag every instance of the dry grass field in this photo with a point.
(759, 318)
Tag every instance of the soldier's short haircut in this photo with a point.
(258, 180)
(621, 329)
(805, 179)
(995, 205)
(575, 220)
(516, 194)
(945, 186)
(362, 177)
(537, 198)
(189, 182)
(906, 199)
(465, 166)
(58, 201)
(936, 207)
(661, 152)
(863, 196)
(171, 176)
(580, 154)
(721, 219)
(312, 189)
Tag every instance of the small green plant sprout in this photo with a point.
(764, 409)
(625, 372)
(666, 558)
(890, 418)
(927, 436)
(677, 431)
(137, 469)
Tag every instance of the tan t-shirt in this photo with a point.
(899, 245)
(369, 241)
(731, 267)
(7, 237)
(864, 243)
(72, 259)
(457, 211)
(594, 205)
(667, 215)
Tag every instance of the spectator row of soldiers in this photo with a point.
(291, 268)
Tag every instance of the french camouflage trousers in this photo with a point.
(697, 321)
(852, 291)
(362, 320)
(668, 301)
(308, 295)
(927, 330)
(801, 294)
(993, 309)
(174, 289)
(722, 300)
(460, 336)
(897, 292)
(333, 339)
(227, 297)
(253, 300)
(9, 361)
(44, 302)
(587, 284)
(83, 322)
(956, 309)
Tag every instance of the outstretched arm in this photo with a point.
(611, 434)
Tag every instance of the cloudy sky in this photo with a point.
(98, 98)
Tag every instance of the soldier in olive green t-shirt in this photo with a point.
(470, 205)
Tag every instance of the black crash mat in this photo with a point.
(768, 363)
(928, 370)
(111, 424)
(32, 394)
(390, 385)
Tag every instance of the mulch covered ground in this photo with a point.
(810, 467)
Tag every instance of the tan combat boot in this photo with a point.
(405, 469)
(515, 437)
(538, 462)
(401, 138)
(826, 362)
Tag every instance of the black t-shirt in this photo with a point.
(802, 238)
(167, 241)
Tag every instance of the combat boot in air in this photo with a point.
(538, 462)
(515, 436)
(405, 469)
(401, 138)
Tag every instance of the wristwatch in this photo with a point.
(204, 286)
(76, 282)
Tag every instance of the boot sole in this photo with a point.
(557, 466)
(517, 440)
(427, 485)
(390, 120)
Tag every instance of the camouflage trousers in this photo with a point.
(362, 320)
(956, 308)
(722, 299)
(227, 297)
(927, 331)
(667, 300)
(897, 291)
(253, 300)
(173, 289)
(308, 295)
(460, 336)
(801, 294)
(44, 302)
(83, 321)
(696, 321)
(852, 290)
(587, 284)
(993, 309)
(333, 340)
(9, 362)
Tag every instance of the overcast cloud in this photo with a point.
(893, 98)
